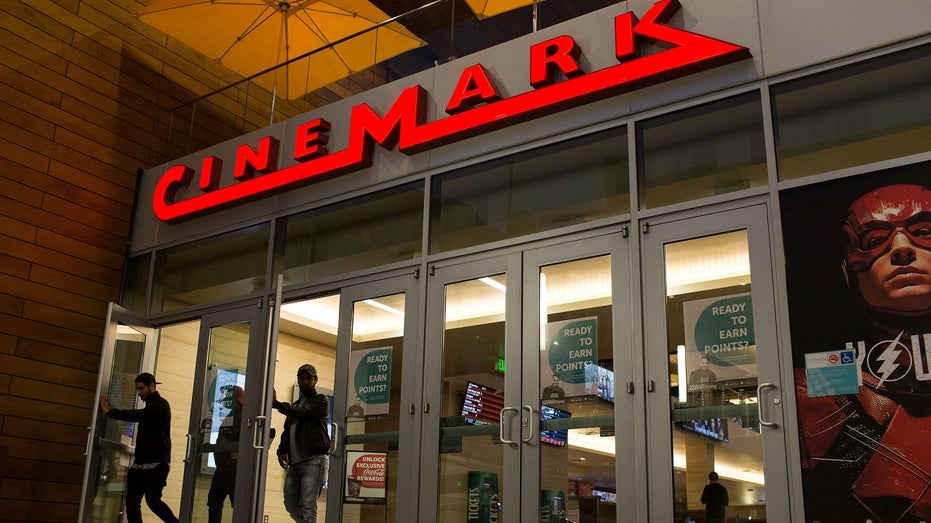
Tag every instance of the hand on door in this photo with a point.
(104, 404)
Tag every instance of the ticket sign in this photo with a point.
(366, 477)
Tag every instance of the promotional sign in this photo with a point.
(556, 79)
(858, 279)
(483, 501)
(831, 373)
(569, 365)
(370, 371)
(366, 477)
(719, 341)
(552, 506)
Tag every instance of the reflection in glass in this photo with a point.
(224, 266)
(868, 112)
(713, 375)
(471, 455)
(373, 412)
(375, 229)
(564, 184)
(577, 443)
(712, 149)
(217, 454)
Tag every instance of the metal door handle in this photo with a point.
(188, 447)
(529, 438)
(759, 404)
(501, 425)
(87, 446)
(258, 429)
(334, 441)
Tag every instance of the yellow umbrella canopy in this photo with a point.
(248, 36)
(487, 8)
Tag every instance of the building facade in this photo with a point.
(565, 277)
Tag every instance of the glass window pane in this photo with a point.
(364, 232)
(135, 283)
(373, 413)
(471, 453)
(712, 149)
(713, 376)
(861, 114)
(217, 457)
(563, 184)
(224, 266)
(577, 391)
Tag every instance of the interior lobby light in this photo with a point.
(383, 307)
(492, 283)
(680, 369)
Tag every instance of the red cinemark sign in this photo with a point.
(475, 106)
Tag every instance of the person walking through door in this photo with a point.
(714, 498)
(148, 474)
(304, 447)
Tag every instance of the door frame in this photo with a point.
(251, 456)
(116, 316)
(629, 464)
(409, 435)
(655, 234)
(442, 274)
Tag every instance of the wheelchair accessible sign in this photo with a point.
(832, 373)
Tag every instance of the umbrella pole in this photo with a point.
(282, 43)
(271, 110)
(534, 15)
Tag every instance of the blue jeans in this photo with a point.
(303, 483)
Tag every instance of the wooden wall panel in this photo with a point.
(86, 99)
(84, 103)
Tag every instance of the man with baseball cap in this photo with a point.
(304, 446)
(147, 475)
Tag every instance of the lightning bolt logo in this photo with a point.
(888, 360)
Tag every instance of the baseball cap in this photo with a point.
(307, 368)
(146, 378)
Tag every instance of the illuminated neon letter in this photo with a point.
(248, 161)
(474, 87)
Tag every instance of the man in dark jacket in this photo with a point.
(150, 466)
(714, 497)
(304, 446)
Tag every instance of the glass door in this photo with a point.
(128, 349)
(712, 366)
(374, 418)
(522, 355)
(471, 409)
(224, 442)
(576, 349)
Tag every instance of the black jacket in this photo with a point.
(308, 415)
(153, 440)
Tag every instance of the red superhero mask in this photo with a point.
(877, 217)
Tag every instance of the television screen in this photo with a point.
(605, 384)
(715, 428)
(482, 405)
(605, 495)
(557, 437)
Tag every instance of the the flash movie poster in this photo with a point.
(858, 269)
